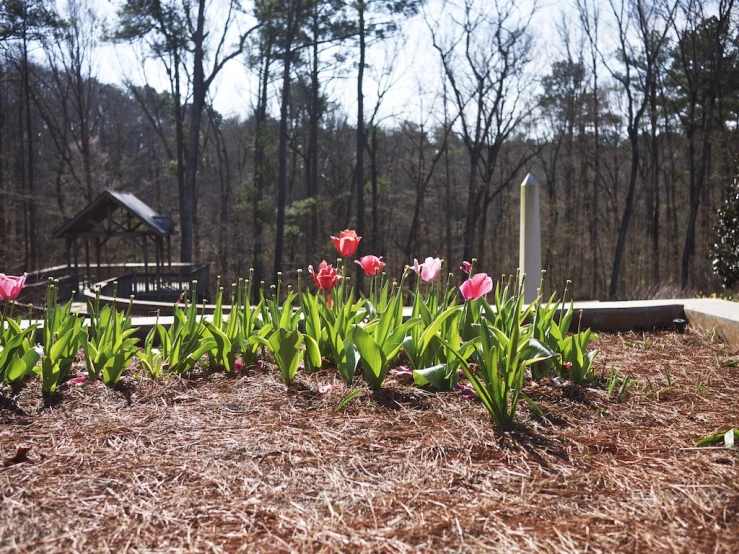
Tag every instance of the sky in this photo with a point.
(406, 65)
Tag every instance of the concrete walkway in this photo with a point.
(719, 316)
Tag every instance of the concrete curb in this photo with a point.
(719, 316)
(710, 314)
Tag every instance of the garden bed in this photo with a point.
(222, 463)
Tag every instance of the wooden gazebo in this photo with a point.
(116, 214)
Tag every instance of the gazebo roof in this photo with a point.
(90, 221)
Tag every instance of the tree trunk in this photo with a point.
(411, 241)
(469, 228)
(594, 219)
(84, 114)
(695, 192)
(193, 141)
(359, 172)
(31, 262)
(3, 194)
(375, 193)
(185, 238)
(695, 195)
(654, 176)
(448, 185)
(20, 168)
(628, 209)
(259, 171)
(224, 180)
(293, 15)
(312, 161)
(59, 188)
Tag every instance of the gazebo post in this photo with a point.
(68, 251)
(76, 262)
(97, 254)
(146, 264)
(158, 256)
(87, 258)
(76, 256)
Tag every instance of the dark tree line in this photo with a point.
(630, 130)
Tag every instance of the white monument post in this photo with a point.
(529, 259)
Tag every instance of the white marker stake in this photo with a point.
(529, 259)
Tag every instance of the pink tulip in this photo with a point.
(10, 287)
(476, 286)
(77, 381)
(416, 266)
(372, 265)
(402, 372)
(466, 267)
(430, 269)
(467, 392)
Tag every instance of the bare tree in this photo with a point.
(176, 27)
(23, 23)
(483, 55)
(294, 13)
(702, 43)
(641, 33)
(70, 110)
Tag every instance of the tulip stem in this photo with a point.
(343, 281)
(2, 321)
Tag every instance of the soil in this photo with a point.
(220, 463)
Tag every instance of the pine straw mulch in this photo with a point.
(233, 464)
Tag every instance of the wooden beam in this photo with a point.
(93, 235)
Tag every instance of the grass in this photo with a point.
(244, 464)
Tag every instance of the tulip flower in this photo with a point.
(416, 266)
(467, 392)
(346, 243)
(466, 267)
(77, 381)
(372, 265)
(325, 279)
(10, 287)
(430, 269)
(476, 286)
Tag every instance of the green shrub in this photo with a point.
(726, 248)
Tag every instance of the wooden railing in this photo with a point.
(153, 291)
(159, 287)
(34, 291)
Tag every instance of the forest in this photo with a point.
(625, 111)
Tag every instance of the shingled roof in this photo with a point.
(93, 217)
